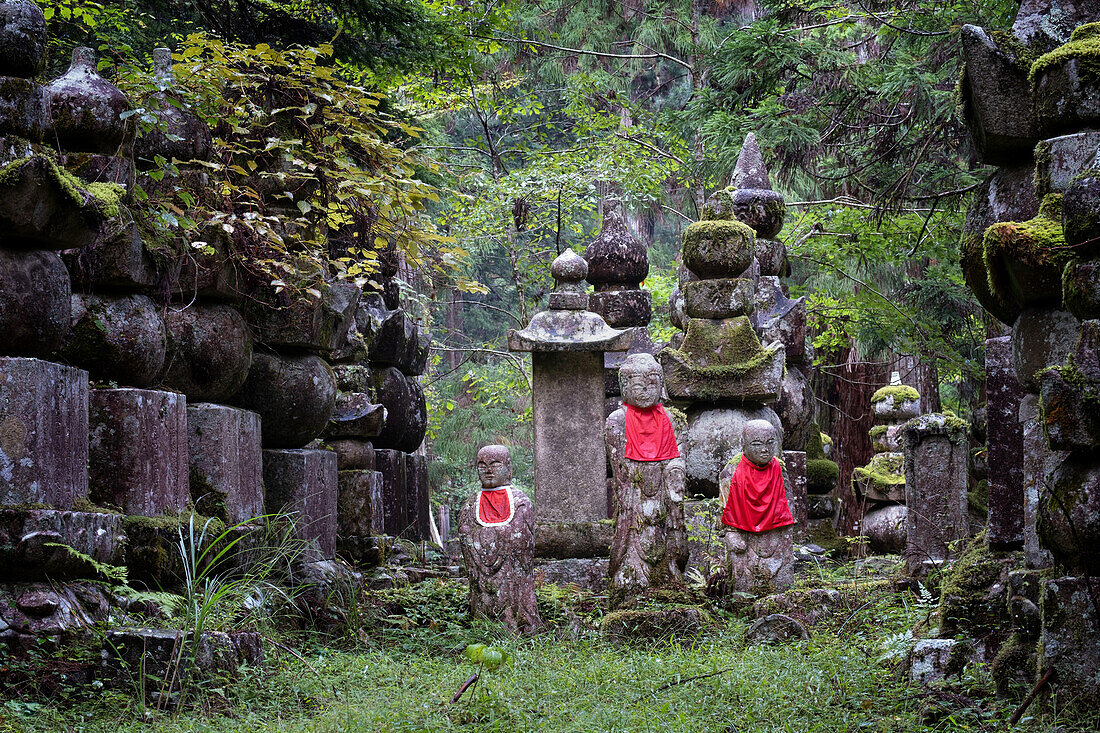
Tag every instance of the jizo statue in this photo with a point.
(497, 534)
(757, 520)
(649, 548)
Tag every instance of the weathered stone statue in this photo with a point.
(757, 520)
(497, 530)
(649, 548)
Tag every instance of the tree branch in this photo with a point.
(599, 54)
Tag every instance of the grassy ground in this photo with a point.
(397, 668)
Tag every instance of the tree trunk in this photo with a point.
(854, 382)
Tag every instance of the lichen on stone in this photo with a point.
(885, 469)
(1083, 45)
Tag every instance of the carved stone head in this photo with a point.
(494, 466)
(641, 381)
(759, 442)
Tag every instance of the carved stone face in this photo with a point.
(494, 466)
(641, 381)
(759, 442)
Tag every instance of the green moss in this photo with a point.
(733, 343)
(1014, 665)
(1038, 243)
(704, 240)
(1019, 53)
(106, 198)
(815, 447)
(978, 497)
(1083, 45)
(821, 472)
(899, 393)
(959, 98)
(824, 536)
(719, 207)
(84, 504)
(967, 591)
(1041, 177)
(885, 470)
(878, 431)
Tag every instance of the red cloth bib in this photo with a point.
(649, 434)
(494, 506)
(757, 501)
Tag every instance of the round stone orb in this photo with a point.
(22, 38)
(569, 267)
(84, 109)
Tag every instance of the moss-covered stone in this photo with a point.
(1065, 83)
(1024, 260)
(973, 592)
(720, 248)
(824, 535)
(1083, 45)
(821, 475)
(898, 394)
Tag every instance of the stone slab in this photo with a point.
(794, 481)
(391, 464)
(417, 499)
(584, 574)
(936, 458)
(1039, 464)
(119, 262)
(43, 433)
(313, 323)
(355, 416)
(1041, 337)
(26, 536)
(304, 482)
(561, 540)
(359, 515)
(622, 308)
(719, 298)
(226, 462)
(1005, 447)
(570, 466)
(997, 100)
(137, 452)
(353, 455)
(38, 211)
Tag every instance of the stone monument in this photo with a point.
(567, 343)
(497, 532)
(936, 519)
(756, 518)
(649, 546)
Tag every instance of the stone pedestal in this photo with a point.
(1005, 453)
(570, 468)
(359, 514)
(137, 453)
(760, 563)
(417, 501)
(935, 488)
(794, 481)
(391, 464)
(226, 462)
(28, 538)
(1039, 462)
(304, 482)
(43, 433)
(1070, 639)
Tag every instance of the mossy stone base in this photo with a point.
(821, 475)
(719, 298)
(561, 540)
(1081, 288)
(758, 380)
(43, 206)
(102, 168)
(883, 479)
(713, 249)
(712, 342)
(974, 593)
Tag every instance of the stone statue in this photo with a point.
(757, 520)
(497, 531)
(649, 548)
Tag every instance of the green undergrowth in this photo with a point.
(398, 670)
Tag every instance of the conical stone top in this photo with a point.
(85, 109)
(181, 134)
(750, 171)
(615, 256)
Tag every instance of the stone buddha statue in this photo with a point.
(497, 533)
(649, 546)
(758, 527)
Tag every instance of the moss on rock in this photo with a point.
(1083, 45)
(898, 393)
(973, 592)
(821, 472)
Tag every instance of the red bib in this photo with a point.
(494, 507)
(757, 501)
(649, 434)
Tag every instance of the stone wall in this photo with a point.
(145, 381)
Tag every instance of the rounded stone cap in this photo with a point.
(615, 255)
(84, 109)
(22, 38)
(569, 268)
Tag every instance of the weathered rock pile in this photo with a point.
(1029, 98)
(142, 379)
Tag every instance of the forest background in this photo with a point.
(482, 137)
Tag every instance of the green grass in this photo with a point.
(399, 671)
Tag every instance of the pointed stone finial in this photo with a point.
(615, 256)
(750, 171)
(895, 378)
(569, 270)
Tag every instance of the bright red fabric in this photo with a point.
(649, 434)
(757, 501)
(494, 506)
